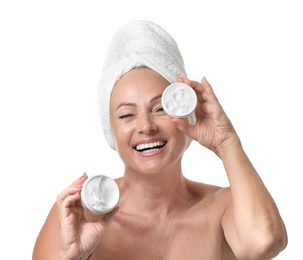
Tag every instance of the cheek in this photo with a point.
(183, 140)
(121, 133)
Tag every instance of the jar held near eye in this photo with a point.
(180, 100)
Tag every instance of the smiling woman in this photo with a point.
(160, 213)
(142, 123)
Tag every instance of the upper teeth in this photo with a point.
(149, 145)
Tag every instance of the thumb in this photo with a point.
(109, 217)
(183, 125)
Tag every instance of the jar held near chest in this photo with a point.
(99, 195)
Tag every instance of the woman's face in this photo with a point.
(145, 137)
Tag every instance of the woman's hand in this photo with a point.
(79, 238)
(213, 128)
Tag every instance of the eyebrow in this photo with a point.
(128, 104)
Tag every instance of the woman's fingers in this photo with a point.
(70, 196)
(184, 126)
(75, 185)
(202, 88)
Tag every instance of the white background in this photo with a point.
(51, 54)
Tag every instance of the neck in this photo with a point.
(157, 195)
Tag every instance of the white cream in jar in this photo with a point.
(180, 100)
(99, 194)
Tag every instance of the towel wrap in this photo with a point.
(138, 43)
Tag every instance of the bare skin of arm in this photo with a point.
(241, 221)
(66, 234)
(252, 219)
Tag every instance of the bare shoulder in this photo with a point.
(46, 242)
(209, 196)
(205, 190)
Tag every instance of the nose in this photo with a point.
(146, 124)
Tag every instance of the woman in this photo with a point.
(161, 214)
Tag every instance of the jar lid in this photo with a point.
(100, 194)
(179, 100)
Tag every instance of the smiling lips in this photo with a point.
(150, 147)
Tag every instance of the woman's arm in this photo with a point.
(66, 233)
(252, 224)
(47, 244)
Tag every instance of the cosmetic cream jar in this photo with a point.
(99, 194)
(180, 100)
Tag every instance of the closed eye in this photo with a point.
(126, 116)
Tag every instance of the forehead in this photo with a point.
(139, 81)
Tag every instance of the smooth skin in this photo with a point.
(161, 214)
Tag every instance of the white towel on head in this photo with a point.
(139, 43)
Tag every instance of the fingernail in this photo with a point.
(175, 121)
(82, 176)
